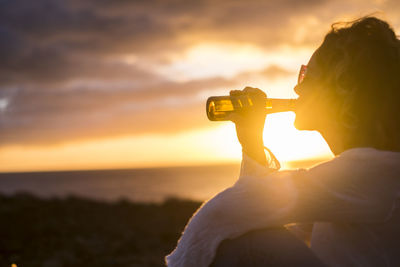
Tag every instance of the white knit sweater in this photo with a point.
(350, 200)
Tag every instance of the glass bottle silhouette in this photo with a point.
(219, 107)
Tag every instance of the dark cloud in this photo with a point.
(62, 74)
(54, 38)
(37, 116)
(42, 116)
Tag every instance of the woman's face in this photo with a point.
(316, 108)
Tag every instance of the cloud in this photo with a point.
(53, 39)
(37, 116)
(272, 72)
(73, 70)
(40, 116)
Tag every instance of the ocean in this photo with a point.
(139, 185)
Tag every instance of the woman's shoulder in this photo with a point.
(360, 164)
(368, 153)
(366, 157)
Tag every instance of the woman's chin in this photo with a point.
(302, 125)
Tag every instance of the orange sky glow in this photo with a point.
(138, 100)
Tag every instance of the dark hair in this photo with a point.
(360, 63)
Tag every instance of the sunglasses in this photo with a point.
(302, 74)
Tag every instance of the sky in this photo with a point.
(118, 84)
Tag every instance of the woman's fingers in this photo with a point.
(254, 91)
(256, 96)
(236, 92)
(248, 91)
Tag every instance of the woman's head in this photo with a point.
(352, 87)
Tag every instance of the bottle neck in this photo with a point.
(274, 105)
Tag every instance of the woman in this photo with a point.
(349, 93)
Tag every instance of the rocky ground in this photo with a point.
(81, 232)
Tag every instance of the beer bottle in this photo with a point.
(219, 107)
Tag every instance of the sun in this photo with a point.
(290, 144)
(280, 136)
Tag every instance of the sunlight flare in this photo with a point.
(205, 60)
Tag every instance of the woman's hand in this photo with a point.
(250, 123)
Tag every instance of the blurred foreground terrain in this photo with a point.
(80, 232)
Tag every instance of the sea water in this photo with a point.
(139, 185)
